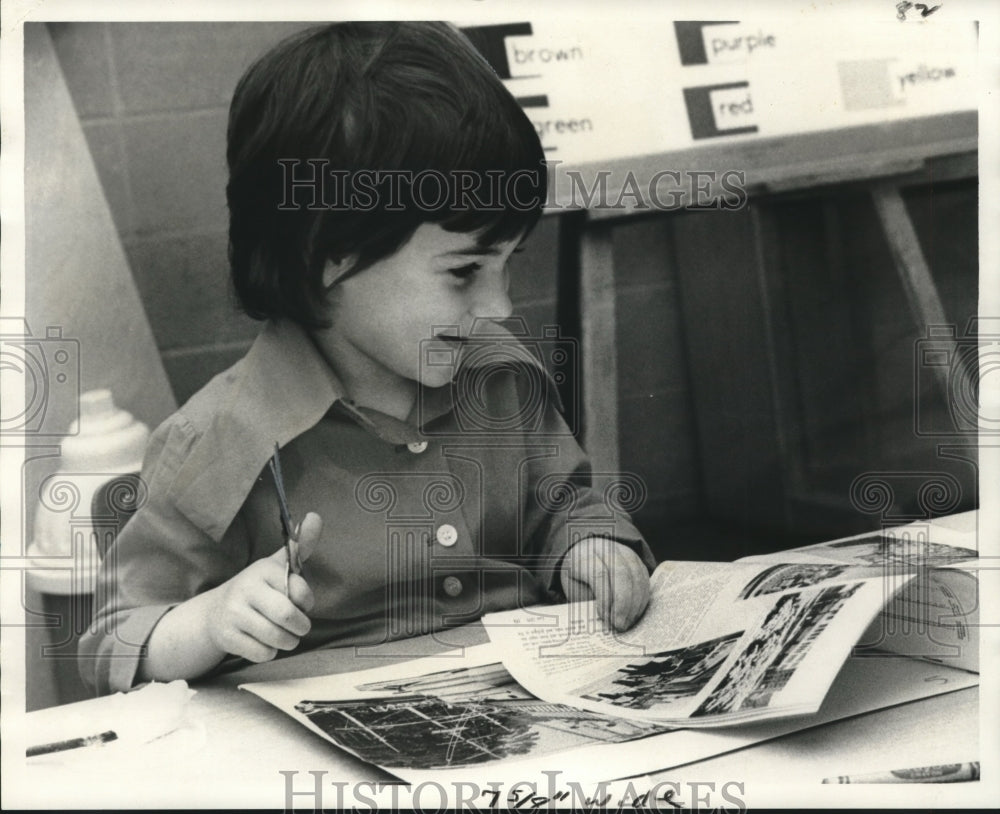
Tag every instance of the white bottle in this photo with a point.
(103, 444)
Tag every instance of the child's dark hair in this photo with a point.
(371, 105)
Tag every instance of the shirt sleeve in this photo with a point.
(566, 502)
(159, 560)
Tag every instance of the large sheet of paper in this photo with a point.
(460, 717)
(699, 83)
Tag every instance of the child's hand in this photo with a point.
(252, 617)
(610, 573)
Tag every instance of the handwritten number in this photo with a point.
(905, 6)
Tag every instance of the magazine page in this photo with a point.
(715, 646)
(916, 545)
(936, 616)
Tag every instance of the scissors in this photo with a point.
(292, 563)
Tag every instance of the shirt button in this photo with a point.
(452, 586)
(417, 447)
(446, 535)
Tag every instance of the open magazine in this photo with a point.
(716, 646)
(728, 643)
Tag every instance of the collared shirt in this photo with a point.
(465, 508)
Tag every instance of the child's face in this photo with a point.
(384, 319)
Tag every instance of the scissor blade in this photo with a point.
(279, 485)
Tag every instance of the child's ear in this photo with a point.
(336, 268)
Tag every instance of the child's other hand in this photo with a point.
(252, 617)
(610, 573)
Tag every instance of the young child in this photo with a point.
(427, 467)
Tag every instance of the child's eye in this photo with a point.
(463, 272)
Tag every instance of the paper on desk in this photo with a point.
(455, 715)
(138, 718)
(458, 717)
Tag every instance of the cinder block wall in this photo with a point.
(153, 101)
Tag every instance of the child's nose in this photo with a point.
(492, 300)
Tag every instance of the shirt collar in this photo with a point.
(279, 390)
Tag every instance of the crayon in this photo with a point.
(947, 773)
(72, 743)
